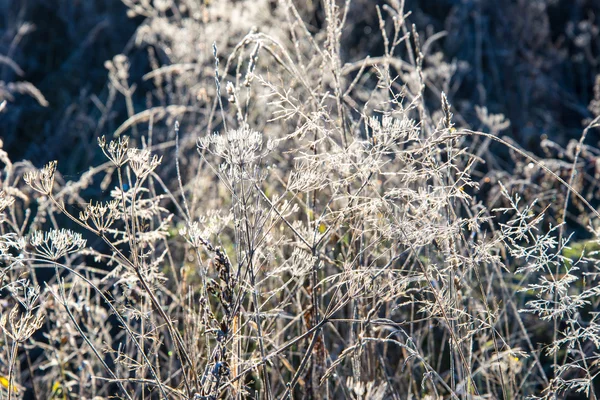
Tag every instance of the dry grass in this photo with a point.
(278, 223)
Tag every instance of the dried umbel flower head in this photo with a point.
(116, 151)
(42, 181)
(301, 262)
(142, 162)
(56, 243)
(238, 147)
(20, 326)
(102, 215)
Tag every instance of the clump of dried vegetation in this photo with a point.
(279, 223)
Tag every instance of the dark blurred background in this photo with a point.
(60, 47)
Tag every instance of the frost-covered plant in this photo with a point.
(312, 227)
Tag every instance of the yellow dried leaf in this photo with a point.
(5, 384)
